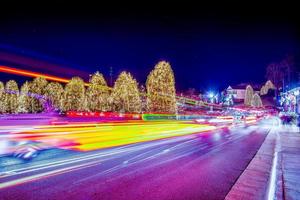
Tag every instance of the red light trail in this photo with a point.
(27, 73)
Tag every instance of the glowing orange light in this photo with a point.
(33, 74)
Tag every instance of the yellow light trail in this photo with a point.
(92, 137)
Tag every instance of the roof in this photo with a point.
(242, 86)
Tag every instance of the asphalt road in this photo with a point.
(195, 166)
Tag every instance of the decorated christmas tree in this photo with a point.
(256, 101)
(125, 94)
(53, 95)
(11, 97)
(248, 95)
(97, 93)
(2, 97)
(74, 96)
(37, 90)
(161, 89)
(265, 88)
(24, 101)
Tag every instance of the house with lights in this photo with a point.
(237, 92)
(290, 100)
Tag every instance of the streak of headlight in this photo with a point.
(46, 174)
(33, 74)
(272, 183)
(111, 152)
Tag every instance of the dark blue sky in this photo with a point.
(207, 51)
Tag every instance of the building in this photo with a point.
(238, 92)
(290, 100)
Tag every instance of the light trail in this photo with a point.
(87, 160)
(46, 174)
(98, 137)
(68, 164)
(31, 74)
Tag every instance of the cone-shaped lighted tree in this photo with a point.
(270, 85)
(248, 95)
(53, 94)
(256, 101)
(74, 95)
(11, 97)
(97, 93)
(2, 97)
(37, 90)
(125, 94)
(265, 88)
(24, 101)
(161, 89)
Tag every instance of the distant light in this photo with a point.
(296, 93)
(211, 95)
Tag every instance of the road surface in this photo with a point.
(201, 165)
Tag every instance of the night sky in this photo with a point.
(208, 47)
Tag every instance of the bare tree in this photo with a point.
(280, 73)
(275, 74)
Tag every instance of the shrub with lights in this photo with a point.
(97, 94)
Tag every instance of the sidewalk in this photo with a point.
(290, 156)
(274, 172)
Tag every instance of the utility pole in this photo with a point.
(111, 76)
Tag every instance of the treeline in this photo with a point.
(39, 95)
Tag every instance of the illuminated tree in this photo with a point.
(161, 89)
(74, 96)
(37, 90)
(97, 93)
(125, 94)
(265, 88)
(248, 95)
(24, 101)
(2, 97)
(11, 97)
(270, 85)
(53, 94)
(256, 101)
